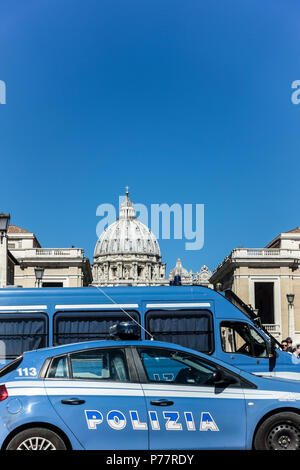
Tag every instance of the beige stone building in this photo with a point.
(62, 267)
(188, 278)
(263, 277)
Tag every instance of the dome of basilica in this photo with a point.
(127, 235)
(128, 252)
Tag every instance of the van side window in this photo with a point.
(79, 326)
(241, 338)
(21, 332)
(188, 328)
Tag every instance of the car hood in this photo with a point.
(275, 383)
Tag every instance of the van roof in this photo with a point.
(130, 296)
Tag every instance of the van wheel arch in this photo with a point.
(39, 424)
(277, 411)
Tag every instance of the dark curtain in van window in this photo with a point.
(22, 335)
(190, 331)
(75, 328)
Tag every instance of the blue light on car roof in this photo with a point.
(124, 330)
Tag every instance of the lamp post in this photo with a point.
(4, 221)
(39, 276)
(291, 316)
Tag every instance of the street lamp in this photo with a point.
(291, 318)
(4, 221)
(39, 275)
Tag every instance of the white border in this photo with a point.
(111, 306)
(181, 305)
(23, 307)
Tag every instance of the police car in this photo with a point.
(130, 394)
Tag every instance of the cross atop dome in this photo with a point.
(127, 210)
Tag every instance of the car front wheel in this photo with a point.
(36, 439)
(279, 432)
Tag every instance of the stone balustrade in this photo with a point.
(48, 253)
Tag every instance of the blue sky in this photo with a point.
(184, 101)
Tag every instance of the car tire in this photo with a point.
(36, 439)
(279, 432)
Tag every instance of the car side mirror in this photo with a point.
(220, 378)
(271, 348)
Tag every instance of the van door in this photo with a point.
(243, 347)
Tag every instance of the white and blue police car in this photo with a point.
(135, 395)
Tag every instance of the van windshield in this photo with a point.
(241, 338)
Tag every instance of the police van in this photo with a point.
(191, 316)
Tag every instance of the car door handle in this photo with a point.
(162, 402)
(73, 401)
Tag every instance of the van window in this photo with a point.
(21, 333)
(189, 328)
(78, 326)
(241, 338)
